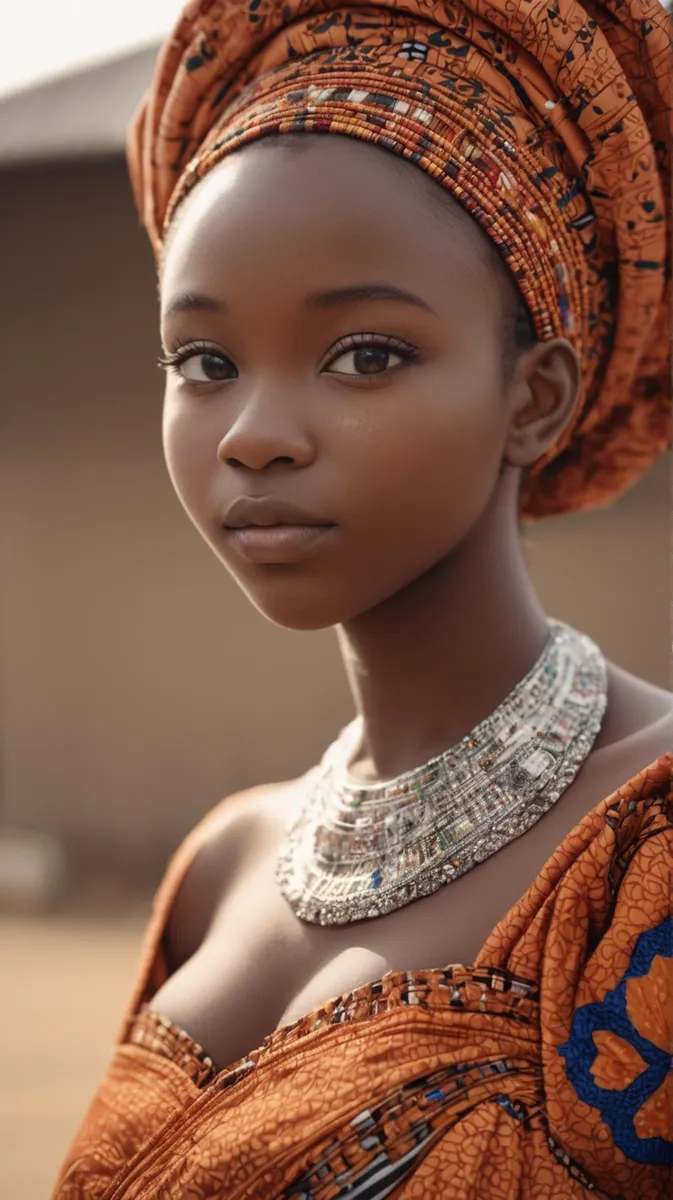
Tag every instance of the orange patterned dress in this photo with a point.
(543, 1070)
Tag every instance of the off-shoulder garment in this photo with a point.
(543, 1070)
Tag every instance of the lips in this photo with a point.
(263, 511)
(268, 530)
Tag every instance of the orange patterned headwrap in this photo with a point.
(548, 120)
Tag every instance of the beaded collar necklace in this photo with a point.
(356, 851)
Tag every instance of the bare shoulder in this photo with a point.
(635, 707)
(242, 825)
(637, 730)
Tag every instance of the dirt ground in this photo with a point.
(66, 980)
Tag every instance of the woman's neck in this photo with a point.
(435, 659)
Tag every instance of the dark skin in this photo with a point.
(394, 422)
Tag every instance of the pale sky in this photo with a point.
(43, 38)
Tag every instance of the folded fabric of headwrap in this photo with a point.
(548, 120)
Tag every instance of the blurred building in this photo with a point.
(137, 686)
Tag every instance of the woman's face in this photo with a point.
(336, 422)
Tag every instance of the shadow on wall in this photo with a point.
(138, 686)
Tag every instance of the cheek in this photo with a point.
(190, 457)
(428, 465)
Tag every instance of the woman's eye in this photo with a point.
(206, 368)
(365, 360)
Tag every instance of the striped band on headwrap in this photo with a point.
(548, 120)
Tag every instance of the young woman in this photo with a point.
(412, 265)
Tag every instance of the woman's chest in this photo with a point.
(260, 967)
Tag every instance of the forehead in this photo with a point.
(327, 204)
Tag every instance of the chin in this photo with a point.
(290, 601)
(299, 615)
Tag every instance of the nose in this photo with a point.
(266, 432)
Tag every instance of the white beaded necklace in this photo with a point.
(357, 851)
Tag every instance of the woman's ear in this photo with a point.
(543, 394)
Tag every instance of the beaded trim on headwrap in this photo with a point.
(548, 120)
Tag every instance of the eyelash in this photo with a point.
(172, 361)
(354, 340)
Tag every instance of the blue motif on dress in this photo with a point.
(618, 1108)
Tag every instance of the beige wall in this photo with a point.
(137, 685)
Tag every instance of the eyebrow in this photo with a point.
(191, 302)
(366, 291)
(356, 293)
